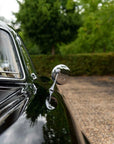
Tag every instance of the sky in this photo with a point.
(7, 7)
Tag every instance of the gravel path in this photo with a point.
(91, 100)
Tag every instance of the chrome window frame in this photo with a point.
(19, 59)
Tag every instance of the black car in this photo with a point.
(31, 111)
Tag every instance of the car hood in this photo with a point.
(28, 121)
(23, 131)
(6, 91)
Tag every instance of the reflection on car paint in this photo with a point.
(23, 132)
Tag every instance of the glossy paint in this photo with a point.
(23, 121)
(24, 117)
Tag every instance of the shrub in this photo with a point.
(80, 64)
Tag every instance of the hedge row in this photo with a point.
(80, 64)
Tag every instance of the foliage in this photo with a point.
(80, 64)
(97, 32)
(47, 23)
(57, 128)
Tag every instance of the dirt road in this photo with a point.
(91, 100)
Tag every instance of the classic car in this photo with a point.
(32, 111)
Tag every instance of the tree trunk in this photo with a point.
(93, 49)
(53, 50)
(104, 49)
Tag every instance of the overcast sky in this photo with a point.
(7, 7)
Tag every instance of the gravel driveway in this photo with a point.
(91, 100)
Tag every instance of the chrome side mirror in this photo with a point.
(59, 76)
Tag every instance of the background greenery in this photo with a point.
(97, 31)
(80, 64)
(47, 23)
(79, 33)
(66, 26)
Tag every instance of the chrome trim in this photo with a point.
(8, 105)
(9, 72)
(34, 89)
(21, 66)
(51, 90)
(25, 105)
(23, 91)
(9, 97)
(6, 115)
(33, 76)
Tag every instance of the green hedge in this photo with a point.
(80, 64)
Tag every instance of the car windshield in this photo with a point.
(9, 63)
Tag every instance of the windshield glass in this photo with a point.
(9, 63)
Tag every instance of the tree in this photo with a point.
(48, 23)
(97, 32)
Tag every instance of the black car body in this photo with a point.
(24, 117)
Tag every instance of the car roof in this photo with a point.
(6, 27)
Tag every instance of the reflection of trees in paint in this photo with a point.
(56, 129)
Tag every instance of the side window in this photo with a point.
(9, 62)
